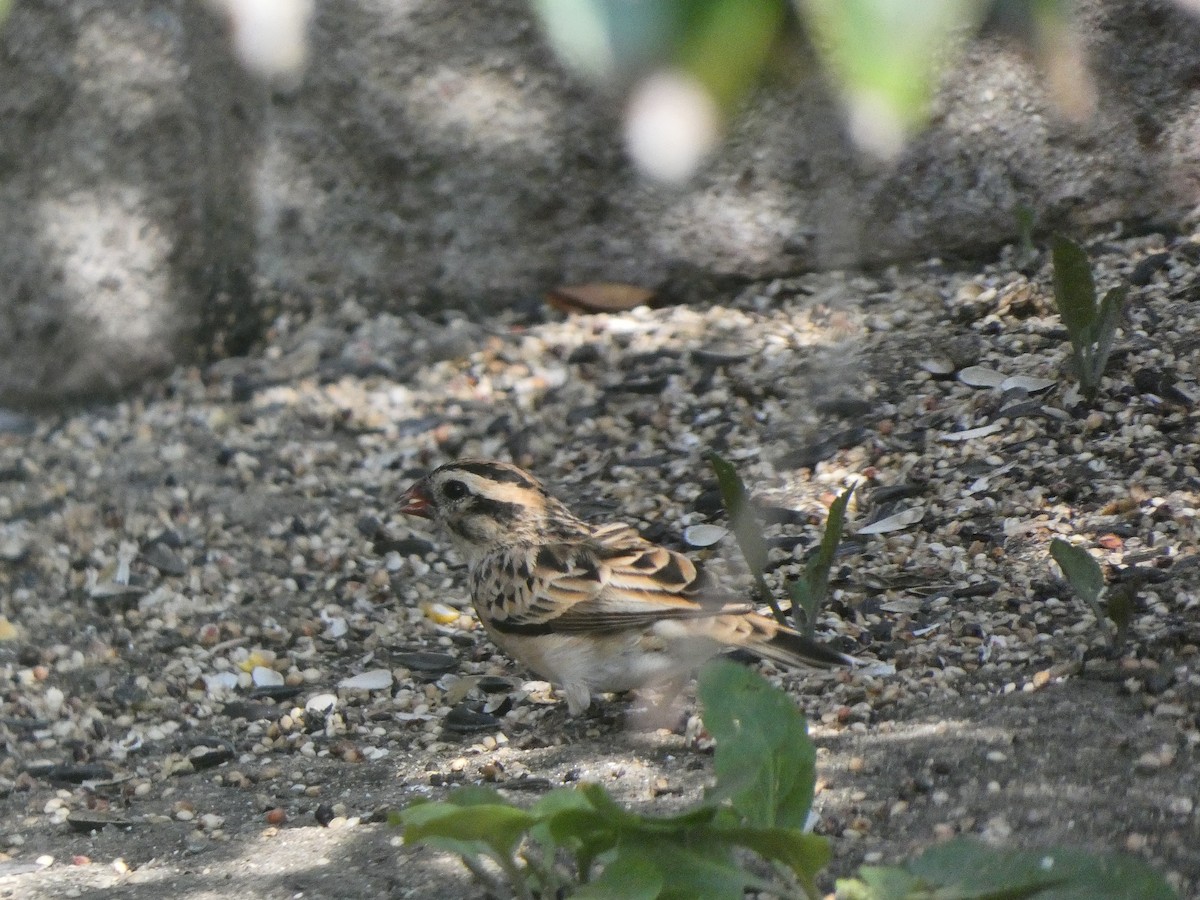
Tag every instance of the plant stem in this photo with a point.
(516, 876)
(490, 883)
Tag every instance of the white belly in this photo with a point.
(614, 662)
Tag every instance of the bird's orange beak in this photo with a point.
(415, 502)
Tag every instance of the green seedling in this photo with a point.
(746, 528)
(1091, 325)
(580, 842)
(809, 590)
(1026, 223)
(1085, 577)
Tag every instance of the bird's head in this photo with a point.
(483, 504)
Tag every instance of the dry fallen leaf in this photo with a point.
(598, 297)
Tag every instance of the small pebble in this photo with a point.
(375, 680)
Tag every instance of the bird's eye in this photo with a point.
(454, 490)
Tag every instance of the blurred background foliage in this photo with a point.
(883, 59)
(686, 65)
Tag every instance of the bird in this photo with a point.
(592, 609)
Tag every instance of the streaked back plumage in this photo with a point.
(593, 608)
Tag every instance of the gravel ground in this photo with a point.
(226, 658)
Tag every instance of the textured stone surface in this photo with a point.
(122, 191)
(436, 157)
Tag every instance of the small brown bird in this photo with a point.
(589, 608)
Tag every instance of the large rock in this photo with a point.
(451, 157)
(438, 153)
(124, 193)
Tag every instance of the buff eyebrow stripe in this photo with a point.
(501, 474)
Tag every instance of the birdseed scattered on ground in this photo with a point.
(227, 657)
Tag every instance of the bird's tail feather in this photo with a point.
(769, 639)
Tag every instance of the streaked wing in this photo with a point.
(614, 580)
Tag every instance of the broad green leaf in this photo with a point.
(704, 870)
(607, 808)
(550, 805)
(629, 876)
(886, 56)
(764, 761)
(448, 825)
(805, 854)
(616, 816)
(746, 527)
(970, 870)
(728, 43)
(557, 800)
(881, 883)
(476, 795)
(1074, 292)
(582, 826)
(587, 832)
(1081, 571)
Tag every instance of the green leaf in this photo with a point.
(833, 529)
(585, 833)
(615, 816)
(608, 823)
(1120, 603)
(556, 803)
(472, 826)
(970, 870)
(746, 527)
(553, 802)
(1091, 326)
(1026, 218)
(609, 809)
(728, 42)
(808, 592)
(629, 876)
(805, 605)
(764, 761)
(1108, 318)
(476, 795)
(805, 854)
(886, 56)
(705, 870)
(967, 870)
(1074, 291)
(881, 883)
(1082, 572)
